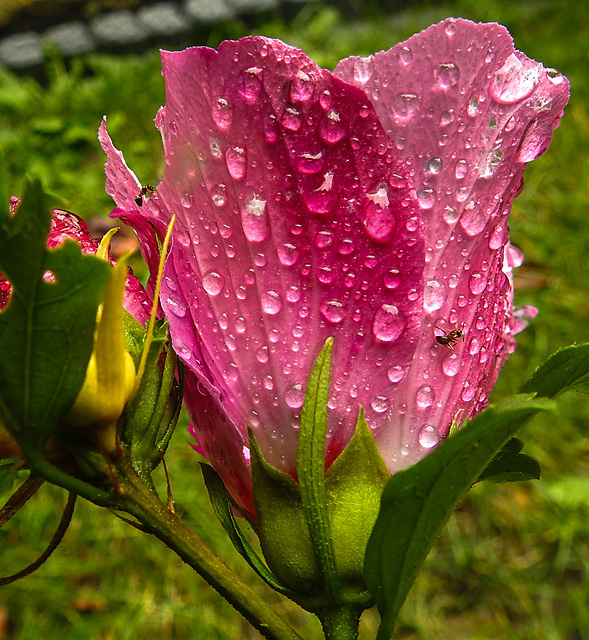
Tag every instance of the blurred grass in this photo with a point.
(514, 561)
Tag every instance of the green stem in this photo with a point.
(137, 500)
(341, 623)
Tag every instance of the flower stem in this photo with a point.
(341, 623)
(138, 500)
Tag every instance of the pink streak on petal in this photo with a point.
(467, 112)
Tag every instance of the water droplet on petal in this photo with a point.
(287, 254)
(515, 80)
(333, 311)
(378, 217)
(363, 68)
(450, 215)
(176, 306)
(405, 105)
(451, 365)
(293, 293)
(330, 128)
(291, 119)
(262, 354)
(323, 239)
(294, 396)
(235, 159)
(392, 279)
(433, 165)
(396, 373)
(301, 88)
(380, 404)
(249, 83)
(473, 219)
(254, 220)
(468, 393)
(447, 117)
(222, 113)
(447, 75)
(406, 55)
(425, 396)
(271, 302)
(477, 283)
(388, 323)
(231, 372)
(497, 237)
(213, 282)
(428, 436)
(461, 169)
(434, 296)
(426, 198)
(219, 195)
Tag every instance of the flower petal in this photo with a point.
(468, 112)
(295, 221)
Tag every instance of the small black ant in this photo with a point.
(145, 192)
(450, 338)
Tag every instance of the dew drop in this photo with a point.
(378, 217)
(428, 436)
(213, 282)
(323, 239)
(433, 165)
(476, 283)
(461, 169)
(473, 107)
(468, 392)
(176, 306)
(291, 119)
(380, 404)
(271, 302)
(450, 215)
(262, 355)
(515, 80)
(473, 220)
(331, 130)
(447, 75)
(186, 200)
(405, 105)
(425, 396)
(301, 88)
(451, 365)
(363, 68)
(231, 372)
(396, 373)
(497, 237)
(222, 113)
(288, 254)
(219, 195)
(434, 296)
(294, 396)
(406, 55)
(249, 83)
(392, 279)
(235, 159)
(346, 247)
(333, 311)
(254, 220)
(325, 274)
(325, 100)
(388, 323)
(309, 164)
(293, 293)
(426, 198)
(447, 117)
(450, 27)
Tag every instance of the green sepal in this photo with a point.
(355, 482)
(47, 329)
(282, 528)
(418, 501)
(509, 465)
(222, 507)
(311, 467)
(148, 423)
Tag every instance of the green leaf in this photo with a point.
(46, 332)
(311, 466)
(222, 507)
(418, 501)
(509, 465)
(565, 370)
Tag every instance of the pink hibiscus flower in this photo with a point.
(369, 204)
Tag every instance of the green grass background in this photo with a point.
(513, 563)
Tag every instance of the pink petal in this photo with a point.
(468, 112)
(295, 222)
